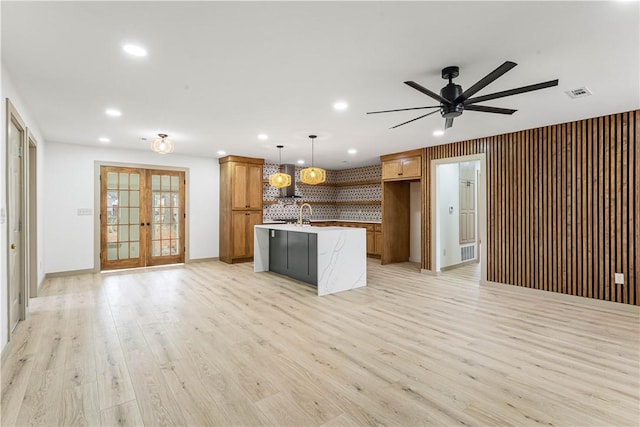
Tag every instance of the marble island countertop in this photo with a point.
(270, 221)
(303, 228)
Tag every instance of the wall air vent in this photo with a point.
(467, 253)
(580, 92)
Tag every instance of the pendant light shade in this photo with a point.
(313, 175)
(162, 145)
(280, 180)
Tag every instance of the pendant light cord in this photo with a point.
(313, 137)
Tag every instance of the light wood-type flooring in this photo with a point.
(216, 344)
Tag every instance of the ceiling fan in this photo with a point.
(453, 101)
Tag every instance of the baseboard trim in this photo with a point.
(563, 297)
(93, 271)
(68, 273)
(196, 260)
(463, 263)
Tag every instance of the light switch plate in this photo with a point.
(619, 278)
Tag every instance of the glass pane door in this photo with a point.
(167, 217)
(121, 218)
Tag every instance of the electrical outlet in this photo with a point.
(619, 278)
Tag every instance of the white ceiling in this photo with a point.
(219, 73)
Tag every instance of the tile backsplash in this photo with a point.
(320, 193)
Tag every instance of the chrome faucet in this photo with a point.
(300, 216)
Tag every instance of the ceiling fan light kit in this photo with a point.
(280, 180)
(313, 175)
(454, 101)
(162, 145)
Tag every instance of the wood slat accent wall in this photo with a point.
(563, 205)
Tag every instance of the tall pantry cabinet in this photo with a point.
(240, 206)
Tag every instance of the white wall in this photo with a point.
(8, 90)
(447, 222)
(70, 174)
(415, 223)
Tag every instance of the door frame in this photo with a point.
(12, 115)
(481, 213)
(31, 238)
(96, 204)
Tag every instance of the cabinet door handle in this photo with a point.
(399, 173)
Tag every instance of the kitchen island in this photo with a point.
(332, 258)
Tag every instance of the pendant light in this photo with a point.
(313, 175)
(280, 180)
(162, 145)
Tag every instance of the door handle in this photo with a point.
(13, 246)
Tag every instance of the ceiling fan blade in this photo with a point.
(486, 80)
(403, 109)
(427, 92)
(448, 123)
(510, 92)
(413, 120)
(486, 109)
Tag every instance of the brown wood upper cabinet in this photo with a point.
(240, 206)
(407, 165)
(246, 184)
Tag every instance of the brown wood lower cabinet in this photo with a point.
(242, 239)
(374, 234)
(378, 239)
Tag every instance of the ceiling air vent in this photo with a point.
(580, 92)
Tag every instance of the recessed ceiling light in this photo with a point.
(352, 151)
(113, 112)
(439, 132)
(134, 50)
(221, 153)
(301, 162)
(104, 140)
(263, 136)
(340, 106)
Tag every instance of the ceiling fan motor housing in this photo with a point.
(451, 92)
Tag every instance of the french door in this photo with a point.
(142, 217)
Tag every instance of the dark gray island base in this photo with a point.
(294, 254)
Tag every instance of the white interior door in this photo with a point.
(15, 183)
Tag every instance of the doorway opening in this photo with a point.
(142, 217)
(458, 209)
